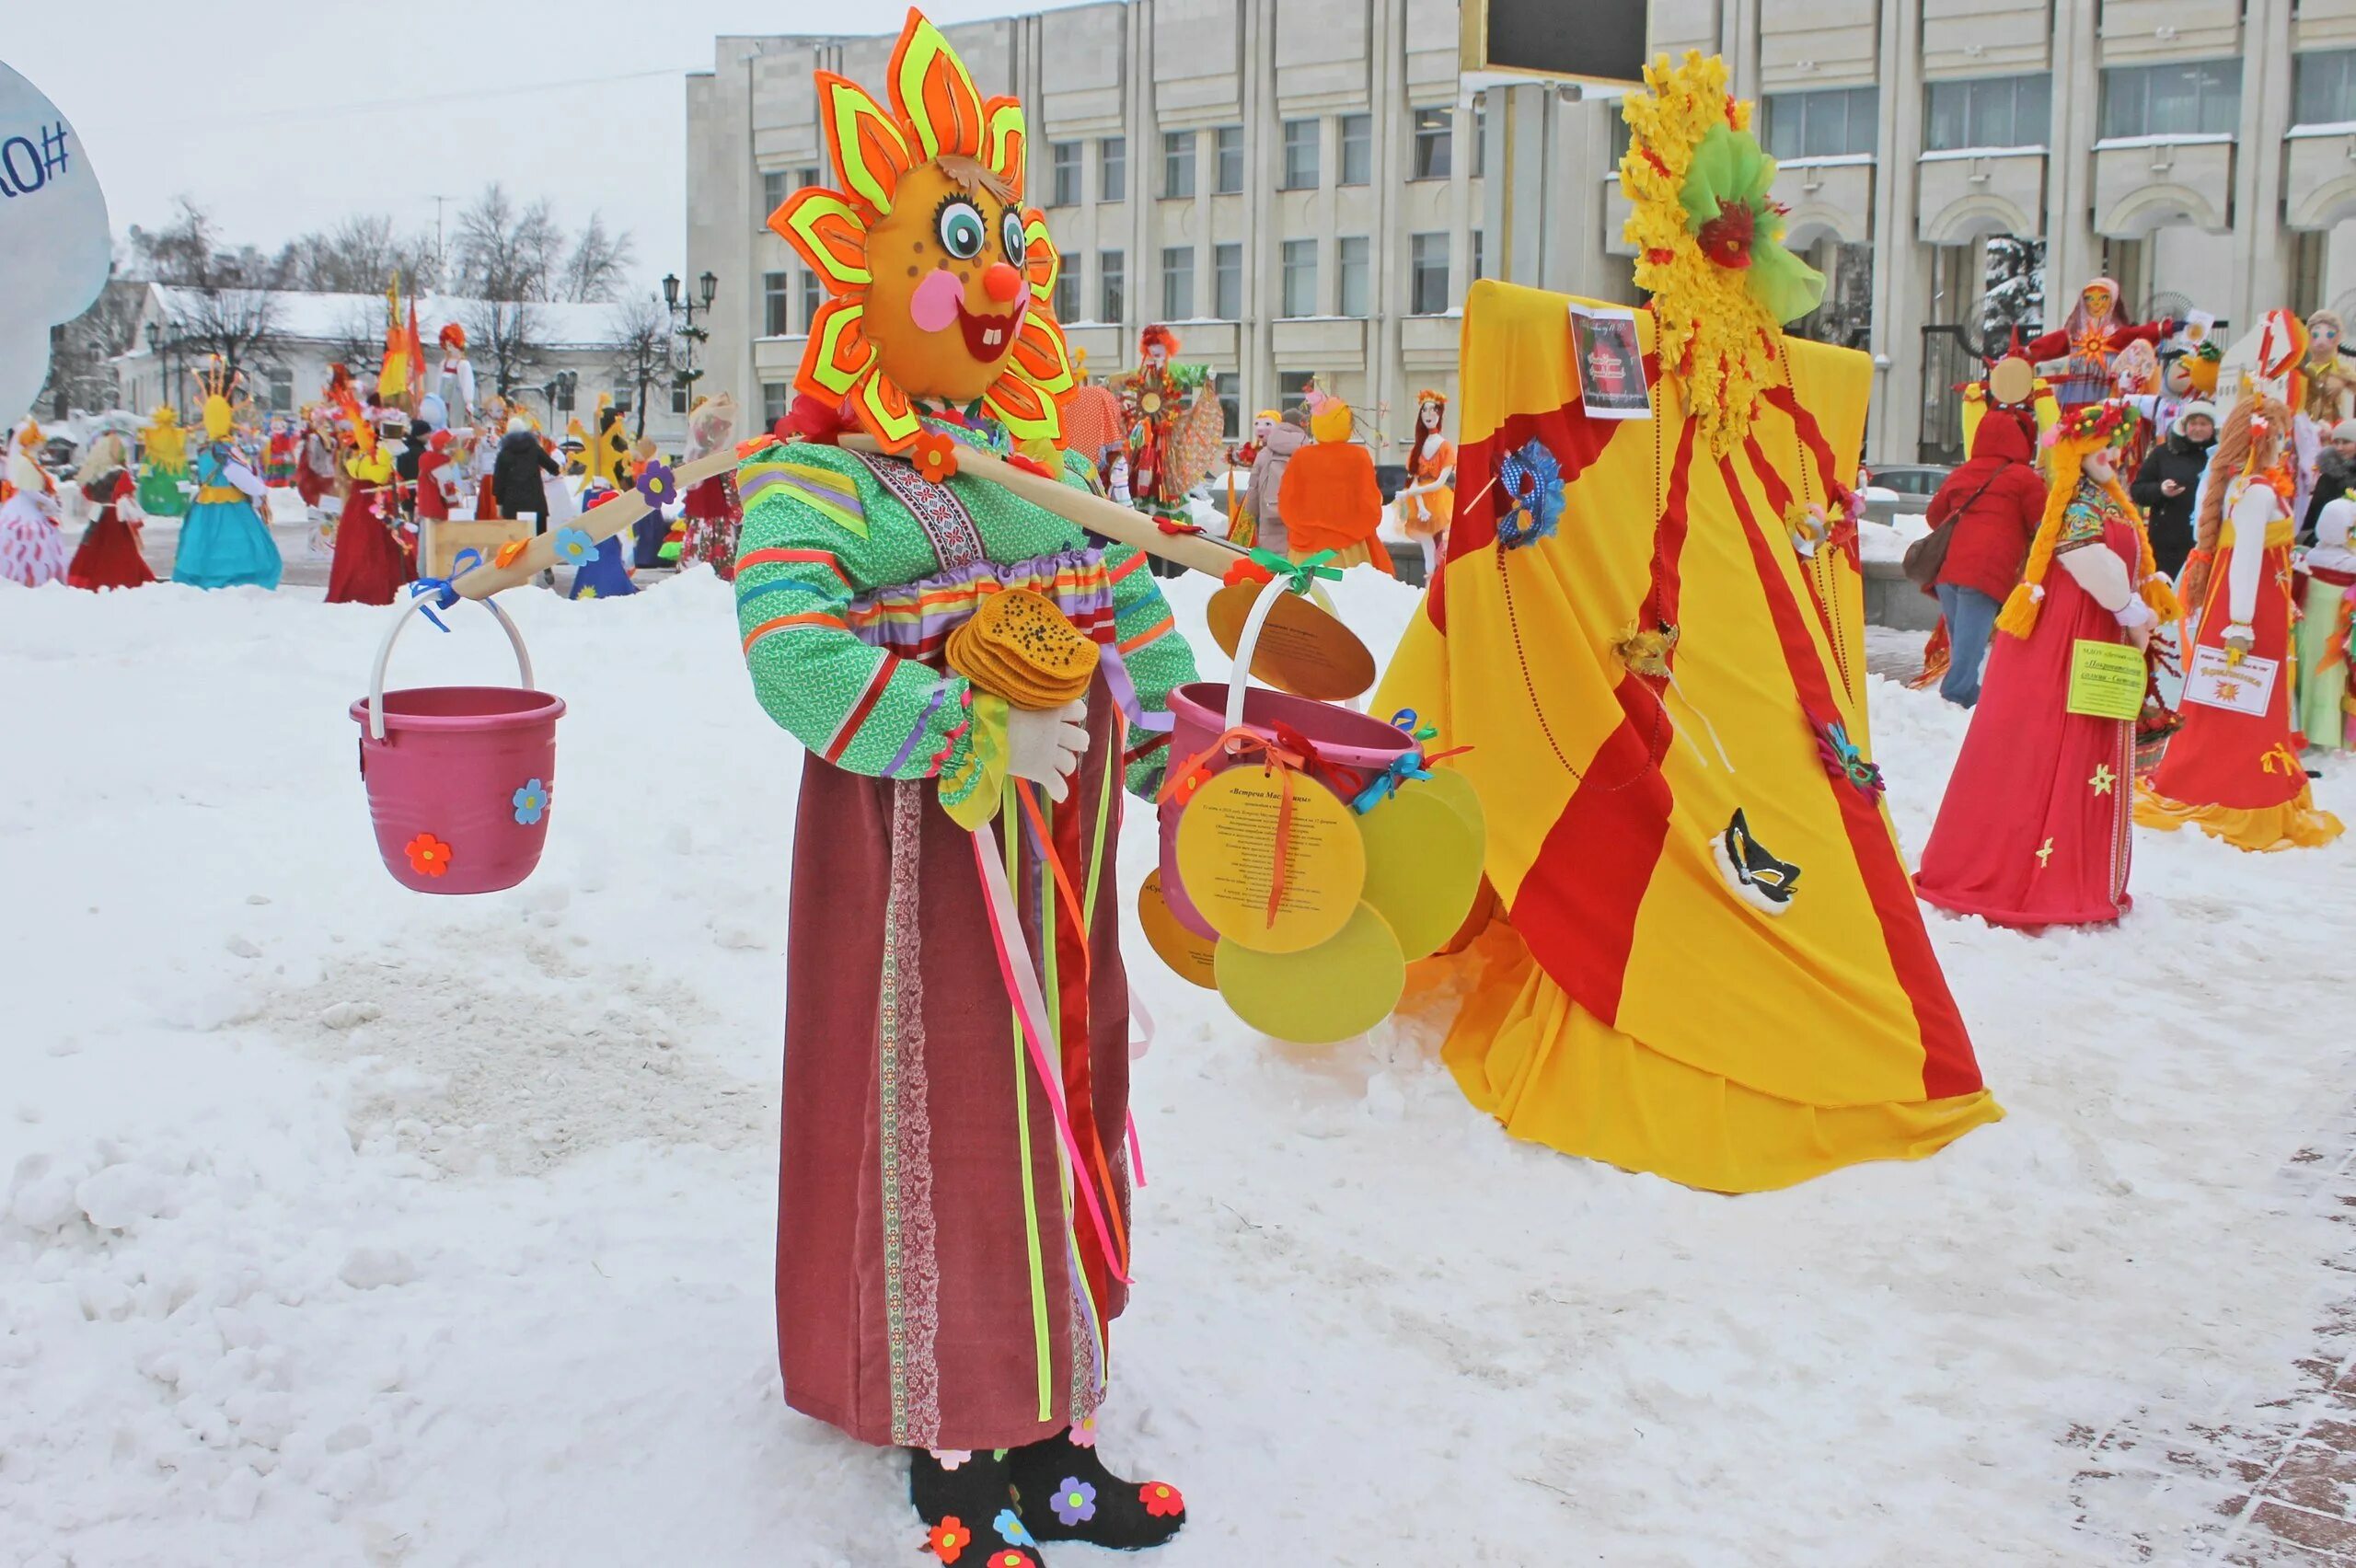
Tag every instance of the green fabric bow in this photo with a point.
(1304, 573)
(1731, 170)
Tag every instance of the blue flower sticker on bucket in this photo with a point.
(574, 545)
(1533, 486)
(531, 803)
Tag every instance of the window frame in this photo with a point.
(1362, 144)
(1112, 286)
(1311, 138)
(776, 396)
(1223, 150)
(1420, 270)
(1974, 94)
(1803, 111)
(1297, 257)
(1064, 303)
(2208, 94)
(1112, 168)
(1177, 282)
(1342, 268)
(1178, 165)
(813, 295)
(1227, 386)
(1066, 159)
(1432, 132)
(777, 304)
(774, 191)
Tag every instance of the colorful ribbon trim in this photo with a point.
(445, 596)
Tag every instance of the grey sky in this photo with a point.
(284, 118)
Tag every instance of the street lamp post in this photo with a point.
(707, 286)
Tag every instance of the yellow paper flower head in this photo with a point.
(1709, 241)
(939, 279)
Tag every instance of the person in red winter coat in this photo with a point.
(1990, 507)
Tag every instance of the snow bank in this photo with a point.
(344, 1224)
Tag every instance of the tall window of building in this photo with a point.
(282, 389)
(2188, 98)
(1301, 155)
(1480, 268)
(1113, 169)
(2325, 90)
(1300, 277)
(773, 194)
(1177, 282)
(811, 292)
(1825, 124)
(1110, 306)
(1226, 144)
(1354, 271)
(805, 177)
(775, 322)
(1290, 385)
(1066, 300)
(1992, 112)
(775, 394)
(1427, 273)
(1064, 165)
(1228, 385)
(1481, 135)
(1227, 282)
(1358, 150)
(1433, 129)
(1178, 163)
(679, 396)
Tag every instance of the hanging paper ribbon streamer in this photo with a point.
(1125, 693)
(1277, 759)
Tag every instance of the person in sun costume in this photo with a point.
(952, 1238)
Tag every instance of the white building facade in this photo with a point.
(1309, 186)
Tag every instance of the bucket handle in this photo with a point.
(1247, 645)
(385, 655)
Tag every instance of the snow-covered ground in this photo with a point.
(350, 1226)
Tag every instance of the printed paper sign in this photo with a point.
(1610, 366)
(2105, 680)
(2196, 326)
(2247, 686)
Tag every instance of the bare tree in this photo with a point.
(599, 265)
(641, 333)
(505, 337)
(361, 255)
(82, 351)
(221, 302)
(506, 252)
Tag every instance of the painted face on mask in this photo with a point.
(1156, 357)
(1261, 429)
(949, 295)
(2098, 303)
(1431, 416)
(2324, 339)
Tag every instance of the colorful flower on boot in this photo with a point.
(949, 1539)
(1009, 1525)
(1083, 1434)
(1012, 1559)
(1075, 1502)
(951, 1458)
(935, 456)
(657, 484)
(1161, 1500)
(428, 856)
(531, 802)
(574, 546)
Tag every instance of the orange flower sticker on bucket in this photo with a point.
(428, 856)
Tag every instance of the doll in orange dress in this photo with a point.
(1428, 503)
(1328, 498)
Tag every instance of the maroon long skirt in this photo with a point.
(369, 567)
(109, 556)
(911, 1307)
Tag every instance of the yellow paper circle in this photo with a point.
(1422, 867)
(1227, 847)
(1333, 991)
(1187, 953)
(1458, 791)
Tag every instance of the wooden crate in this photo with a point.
(443, 540)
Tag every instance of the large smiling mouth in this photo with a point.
(990, 337)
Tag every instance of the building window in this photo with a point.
(1067, 300)
(1300, 277)
(1301, 155)
(1354, 271)
(1481, 133)
(1228, 385)
(775, 395)
(621, 400)
(1823, 124)
(1434, 128)
(1993, 112)
(1358, 150)
(2187, 98)
(1109, 301)
(679, 396)
(805, 177)
(1480, 261)
(1227, 282)
(2325, 92)
(1427, 273)
(773, 194)
(1178, 164)
(775, 321)
(1064, 161)
(1177, 282)
(1113, 169)
(1290, 385)
(810, 290)
(282, 389)
(1227, 144)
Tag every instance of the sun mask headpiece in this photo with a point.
(939, 279)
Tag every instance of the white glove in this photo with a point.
(2132, 614)
(1045, 745)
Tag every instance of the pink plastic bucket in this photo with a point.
(458, 778)
(1342, 738)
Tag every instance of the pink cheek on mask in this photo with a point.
(933, 307)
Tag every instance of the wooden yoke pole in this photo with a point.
(600, 523)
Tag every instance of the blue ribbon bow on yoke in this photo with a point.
(444, 596)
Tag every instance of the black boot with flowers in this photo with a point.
(966, 1502)
(1064, 1493)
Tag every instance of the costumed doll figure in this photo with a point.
(278, 456)
(608, 573)
(1330, 498)
(2326, 716)
(2079, 355)
(456, 382)
(952, 1247)
(315, 464)
(224, 541)
(1163, 401)
(2232, 769)
(167, 447)
(1242, 527)
(712, 509)
(2329, 397)
(653, 531)
(370, 566)
(2033, 830)
(1262, 499)
(109, 556)
(1428, 504)
(1094, 424)
(32, 545)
